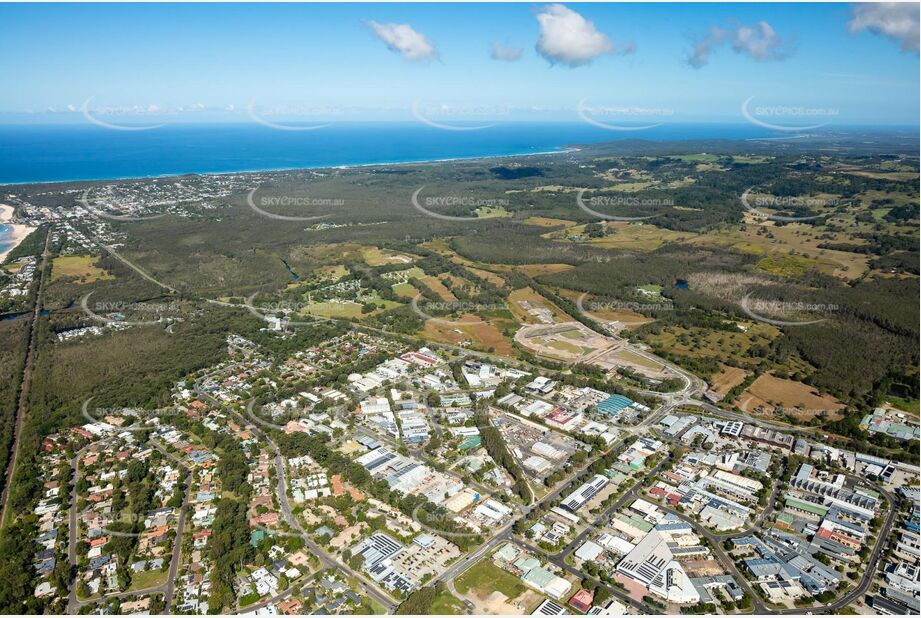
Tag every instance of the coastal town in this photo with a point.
(404, 480)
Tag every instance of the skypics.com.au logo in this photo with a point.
(260, 203)
(610, 201)
(484, 207)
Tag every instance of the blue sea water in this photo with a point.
(5, 231)
(48, 153)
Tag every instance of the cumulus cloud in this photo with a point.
(568, 38)
(760, 42)
(896, 20)
(504, 53)
(404, 40)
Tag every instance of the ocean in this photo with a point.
(5, 232)
(49, 153)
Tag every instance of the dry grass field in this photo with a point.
(727, 379)
(769, 391)
(548, 222)
(78, 267)
(790, 241)
(469, 330)
(435, 285)
(536, 270)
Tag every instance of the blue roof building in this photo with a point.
(614, 404)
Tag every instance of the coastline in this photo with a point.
(558, 150)
(17, 231)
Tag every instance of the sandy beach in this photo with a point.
(14, 232)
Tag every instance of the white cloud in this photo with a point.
(760, 42)
(507, 54)
(568, 38)
(402, 39)
(896, 20)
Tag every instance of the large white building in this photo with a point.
(577, 499)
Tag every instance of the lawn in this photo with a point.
(493, 278)
(624, 316)
(572, 333)
(334, 310)
(409, 273)
(485, 577)
(629, 187)
(147, 579)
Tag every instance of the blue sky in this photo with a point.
(209, 62)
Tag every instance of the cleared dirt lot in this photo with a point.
(568, 340)
(521, 298)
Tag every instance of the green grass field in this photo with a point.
(147, 579)
(485, 577)
(908, 405)
(405, 289)
(489, 212)
(786, 265)
(565, 346)
(346, 310)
